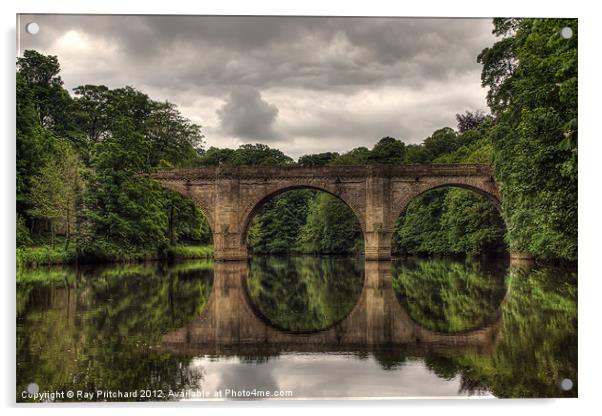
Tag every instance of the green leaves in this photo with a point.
(305, 221)
(449, 221)
(245, 155)
(111, 136)
(331, 227)
(532, 76)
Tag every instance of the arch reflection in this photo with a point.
(449, 295)
(229, 320)
(304, 293)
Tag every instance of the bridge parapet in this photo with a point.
(272, 172)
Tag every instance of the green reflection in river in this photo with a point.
(305, 293)
(450, 295)
(538, 343)
(94, 328)
(98, 328)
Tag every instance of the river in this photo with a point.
(296, 327)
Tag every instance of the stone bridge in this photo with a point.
(230, 322)
(377, 194)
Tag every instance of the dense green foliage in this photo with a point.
(276, 227)
(78, 165)
(449, 222)
(531, 73)
(331, 228)
(245, 155)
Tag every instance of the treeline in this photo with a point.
(531, 73)
(78, 158)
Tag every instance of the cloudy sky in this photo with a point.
(303, 85)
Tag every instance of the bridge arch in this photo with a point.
(487, 190)
(491, 194)
(258, 202)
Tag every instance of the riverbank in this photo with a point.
(47, 255)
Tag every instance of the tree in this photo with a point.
(259, 154)
(387, 151)
(123, 210)
(531, 73)
(55, 189)
(185, 222)
(93, 104)
(469, 120)
(357, 156)
(215, 156)
(317, 159)
(442, 141)
(245, 155)
(173, 138)
(471, 224)
(331, 227)
(277, 224)
(416, 154)
(418, 230)
(52, 102)
(33, 142)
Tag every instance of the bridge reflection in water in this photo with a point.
(230, 323)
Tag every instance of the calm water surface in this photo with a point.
(300, 327)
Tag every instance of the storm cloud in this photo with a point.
(248, 116)
(301, 84)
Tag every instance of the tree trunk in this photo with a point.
(51, 233)
(68, 232)
(170, 231)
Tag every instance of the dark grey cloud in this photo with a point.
(248, 116)
(340, 80)
(318, 53)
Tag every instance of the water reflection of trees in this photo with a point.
(538, 345)
(94, 329)
(305, 293)
(97, 330)
(449, 295)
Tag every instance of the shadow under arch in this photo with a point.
(256, 206)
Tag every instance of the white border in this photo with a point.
(589, 217)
